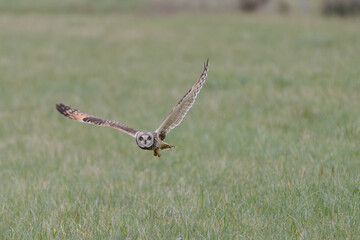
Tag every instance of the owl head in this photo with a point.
(145, 140)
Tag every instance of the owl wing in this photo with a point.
(178, 113)
(86, 118)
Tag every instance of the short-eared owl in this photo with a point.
(146, 139)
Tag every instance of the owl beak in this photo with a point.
(145, 142)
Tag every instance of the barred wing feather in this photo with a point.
(178, 113)
(77, 115)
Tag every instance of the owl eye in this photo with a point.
(149, 138)
(141, 138)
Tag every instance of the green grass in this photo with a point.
(270, 150)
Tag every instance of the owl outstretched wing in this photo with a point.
(178, 113)
(86, 118)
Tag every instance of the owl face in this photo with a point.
(145, 140)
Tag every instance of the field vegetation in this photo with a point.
(270, 149)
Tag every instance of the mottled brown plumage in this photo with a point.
(178, 113)
(87, 118)
(146, 139)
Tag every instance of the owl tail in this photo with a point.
(164, 145)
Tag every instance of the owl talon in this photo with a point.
(157, 152)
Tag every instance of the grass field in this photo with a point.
(270, 150)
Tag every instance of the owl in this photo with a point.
(147, 140)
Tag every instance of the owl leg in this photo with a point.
(157, 152)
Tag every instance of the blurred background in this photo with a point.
(270, 147)
(327, 7)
